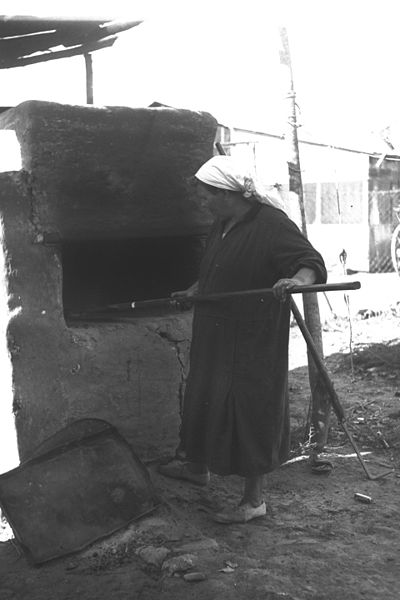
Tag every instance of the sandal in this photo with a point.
(321, 466)
(241, 514)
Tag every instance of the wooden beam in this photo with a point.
(46, 56)
(118, 26)
(23, 46)
(15, 47)
(12, 48)
(19, 47)
(24, 25)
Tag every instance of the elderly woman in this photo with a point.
(235, 416)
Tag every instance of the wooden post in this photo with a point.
(320, 402)
(89, 77)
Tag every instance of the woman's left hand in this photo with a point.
(282, 286)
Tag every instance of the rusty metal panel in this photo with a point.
(83, 484)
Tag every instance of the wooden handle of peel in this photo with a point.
(298, 289)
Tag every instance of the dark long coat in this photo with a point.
(235, 415)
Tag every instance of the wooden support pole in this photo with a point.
(320, 401)
(89, 77)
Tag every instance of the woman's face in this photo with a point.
(215, 199)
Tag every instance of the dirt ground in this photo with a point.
(317, 540)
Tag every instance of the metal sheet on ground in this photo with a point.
(82, 484)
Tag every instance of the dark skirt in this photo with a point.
(235, 415)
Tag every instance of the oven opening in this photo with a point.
(97, 275)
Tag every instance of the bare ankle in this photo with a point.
(254, 502)
(253, 491)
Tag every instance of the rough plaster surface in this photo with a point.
(96, 174)
(112, 172)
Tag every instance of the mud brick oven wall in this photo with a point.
(102, 212)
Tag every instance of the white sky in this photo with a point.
(222, 56)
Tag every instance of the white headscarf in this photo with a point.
(226, 173)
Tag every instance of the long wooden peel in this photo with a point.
(337, 407)
(178, 300)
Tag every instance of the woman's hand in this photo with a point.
(192, 291)
(182, 294)
(305, 276)
(282, 286)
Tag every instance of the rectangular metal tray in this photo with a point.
(83, 484)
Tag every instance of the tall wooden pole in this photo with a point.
(320, 401)
(89, 77)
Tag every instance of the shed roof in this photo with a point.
(25, 40)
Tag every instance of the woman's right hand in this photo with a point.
(191, 291)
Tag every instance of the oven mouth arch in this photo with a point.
(97, 274)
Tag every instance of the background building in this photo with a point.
(349, 194)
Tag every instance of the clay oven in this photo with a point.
(103, 212)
